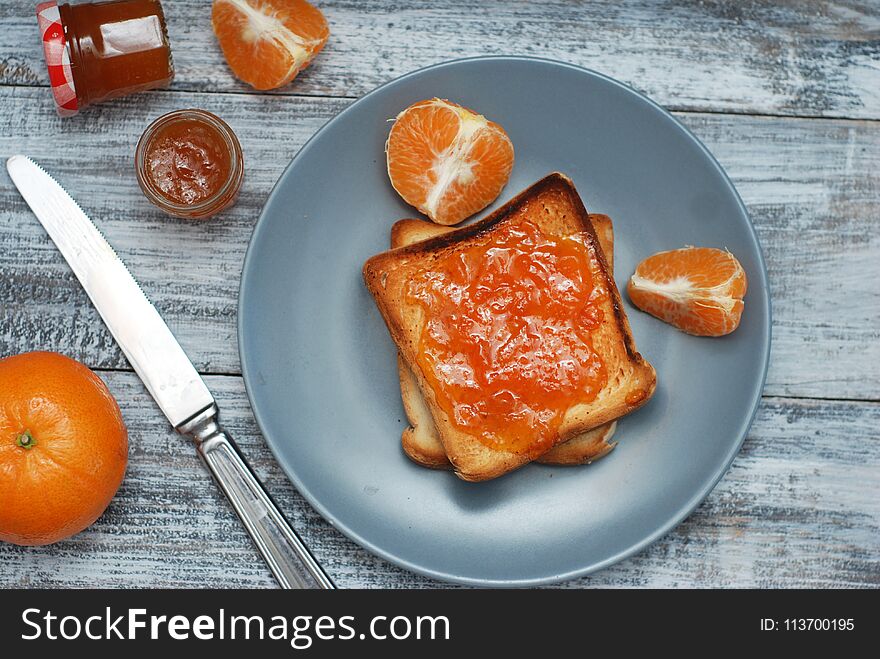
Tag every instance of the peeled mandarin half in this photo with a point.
(699, 290)
(446, 160)
(268, 42)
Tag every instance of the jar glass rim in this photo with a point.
(236, 169)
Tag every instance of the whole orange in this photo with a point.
(63, 448)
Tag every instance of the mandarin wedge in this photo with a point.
(268, 42)
(446, 160)
(699, 290)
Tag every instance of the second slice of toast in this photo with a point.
(420, 441)
(554, 207)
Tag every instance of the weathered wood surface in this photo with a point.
(802, 57)
(798, 508)
(801, 504)
(812, 188)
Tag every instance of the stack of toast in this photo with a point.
(434, 439)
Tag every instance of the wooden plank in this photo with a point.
(806, 58)
(190, 269)
(812, 187)
(799, 508)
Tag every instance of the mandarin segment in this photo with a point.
(699, 290)
(446, 160)
(268, 42)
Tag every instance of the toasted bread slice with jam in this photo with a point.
(553, 207)
(420, 441)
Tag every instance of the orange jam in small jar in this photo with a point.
(96, 51)
(189, 163)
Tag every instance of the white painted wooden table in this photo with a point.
(786, 95)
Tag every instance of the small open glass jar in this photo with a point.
(96, 51)
(189, 163)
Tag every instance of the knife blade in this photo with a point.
(145, 339)
(167, 372)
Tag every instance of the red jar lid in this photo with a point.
(57, 58)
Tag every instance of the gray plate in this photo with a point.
(320, 367)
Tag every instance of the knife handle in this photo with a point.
(280, 546)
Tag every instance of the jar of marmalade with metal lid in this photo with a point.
(101, 50)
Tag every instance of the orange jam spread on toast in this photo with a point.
(507, 343)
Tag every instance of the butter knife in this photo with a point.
(166, 371)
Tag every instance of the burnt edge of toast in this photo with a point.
(554, 180)
(611, 285)
(495, 217)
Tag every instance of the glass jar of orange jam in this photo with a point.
(96, 51)
(189, 163)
